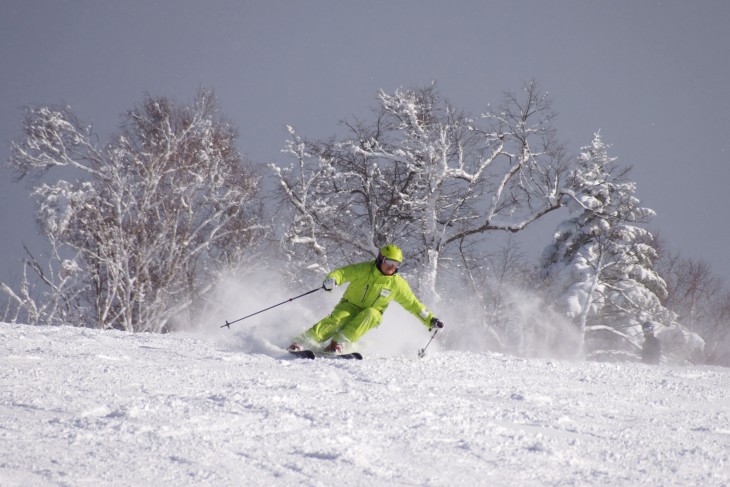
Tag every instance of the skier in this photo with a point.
(652, 349)
(373, 285)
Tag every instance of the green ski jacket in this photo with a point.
(370, 288)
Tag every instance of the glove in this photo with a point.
(329, 284)
(436, 323)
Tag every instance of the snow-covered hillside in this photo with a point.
(85, 407)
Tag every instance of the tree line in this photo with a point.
(141, 228)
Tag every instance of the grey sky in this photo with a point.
(652, 76)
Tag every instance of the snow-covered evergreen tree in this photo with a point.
(139, 227)
(424, 176)
(600, 264)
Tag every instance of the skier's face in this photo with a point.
(388, 266)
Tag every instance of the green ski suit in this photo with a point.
(364, 302)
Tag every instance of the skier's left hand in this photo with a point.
(436, 323)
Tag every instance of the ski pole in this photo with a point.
(228, 324)
(422, 352)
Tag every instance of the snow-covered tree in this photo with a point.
(139, 227)
(701, 301)
(422, 175)
(600, 264)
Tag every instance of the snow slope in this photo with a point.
(85, 407)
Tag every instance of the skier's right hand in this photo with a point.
(329, 284)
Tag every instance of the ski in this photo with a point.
(345, 356)
(302, 353)
(312, 355)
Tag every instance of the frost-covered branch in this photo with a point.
(424, 175)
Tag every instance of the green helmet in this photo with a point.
(392, 252)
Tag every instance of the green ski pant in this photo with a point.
(347, 322)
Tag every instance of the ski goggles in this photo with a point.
(391, 263)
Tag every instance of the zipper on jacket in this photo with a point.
(365, 293)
